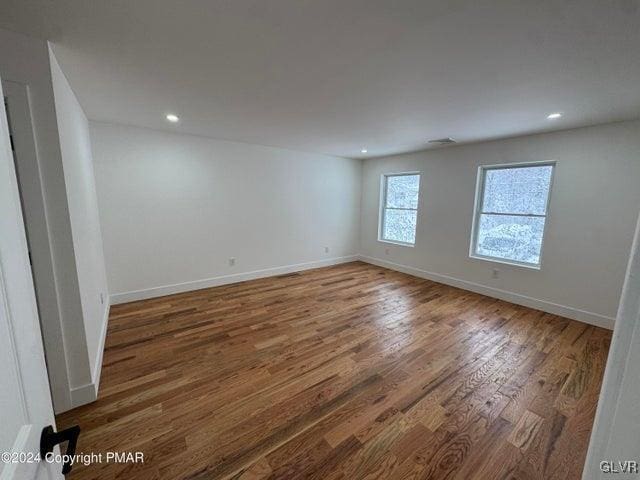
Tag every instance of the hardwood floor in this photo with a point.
(346, 372)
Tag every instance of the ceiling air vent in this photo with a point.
(442, 141)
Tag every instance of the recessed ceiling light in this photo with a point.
(553, 116)
(364, 150)
(172, 118)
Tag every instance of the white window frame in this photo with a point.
(383, 206)
(478, 210)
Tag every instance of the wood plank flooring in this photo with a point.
(347, 372)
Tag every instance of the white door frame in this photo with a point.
(37, 228)
(616, 430)
(26, 401)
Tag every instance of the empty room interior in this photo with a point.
(295, 239)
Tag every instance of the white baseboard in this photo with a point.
(83, 395)
(97, 367)
(133, 296)
(549, 307)
(89, 392)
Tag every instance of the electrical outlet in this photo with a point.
(495, 273)
(386, 251)
(232, 261)
(326, 249)
(102, 299)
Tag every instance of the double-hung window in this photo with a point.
(511, 210)
(399, 209)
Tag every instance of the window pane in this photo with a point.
(517, 190)
(400, 225)
(402, 191)
(510, 238)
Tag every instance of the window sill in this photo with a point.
(505, 262)
(400, 244)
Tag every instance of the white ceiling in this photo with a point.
(334, 76)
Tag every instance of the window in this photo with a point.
(511, 210)
(399, 208)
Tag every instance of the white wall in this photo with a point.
(594, 204)
(75, 145)
(174, 209)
